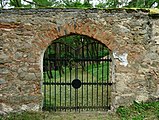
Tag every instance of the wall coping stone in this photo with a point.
(89, 10)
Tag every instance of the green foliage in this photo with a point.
(16, 3)
(139, 111)
(24, 116)
(129, 4)
(112, 4)
(142, 3)
(72, 4)
(101, 5)
(138, 117)
(49, 3)
(68, 3)
(76, 42)
(157, 113)
(86, 4)
(123, 112)
(42, 3)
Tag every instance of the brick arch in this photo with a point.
(86, 27)
(89, 29)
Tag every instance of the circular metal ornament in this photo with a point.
(76, 83)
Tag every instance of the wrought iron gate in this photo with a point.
(76, 76)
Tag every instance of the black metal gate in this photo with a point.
(76, 75)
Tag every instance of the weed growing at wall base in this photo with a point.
(140, 111)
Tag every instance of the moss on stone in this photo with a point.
(154, 11)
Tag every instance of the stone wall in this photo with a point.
(131, 35)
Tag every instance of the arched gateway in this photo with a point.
(76, 75)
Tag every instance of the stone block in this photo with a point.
(4, 70)
(2, 81)
(142, 97)
(124, 99)
(30, 107)
(4, 58)
(30, 76)
(4, 109)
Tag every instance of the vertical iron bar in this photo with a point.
(70, 65)
(83, 65)
(59, 56)
(75, 99)
(52, 86)
(76, 67)
(55, 74)
(92, 75)
(107, 80)
(97, 75)
(71, 68)
(44, 73)
(50, 76)
(87, 74)
(76, 76)
(102, 72)
(65, 75)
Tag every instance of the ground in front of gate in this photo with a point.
(137, 111)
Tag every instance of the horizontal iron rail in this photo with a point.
(82, 59)
(53, 83)
(75, 107)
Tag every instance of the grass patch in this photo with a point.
(140, 111)
(24, 116)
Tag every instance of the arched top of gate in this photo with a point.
(87, 27)
(91, 41)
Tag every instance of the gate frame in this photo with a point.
(111, 71)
